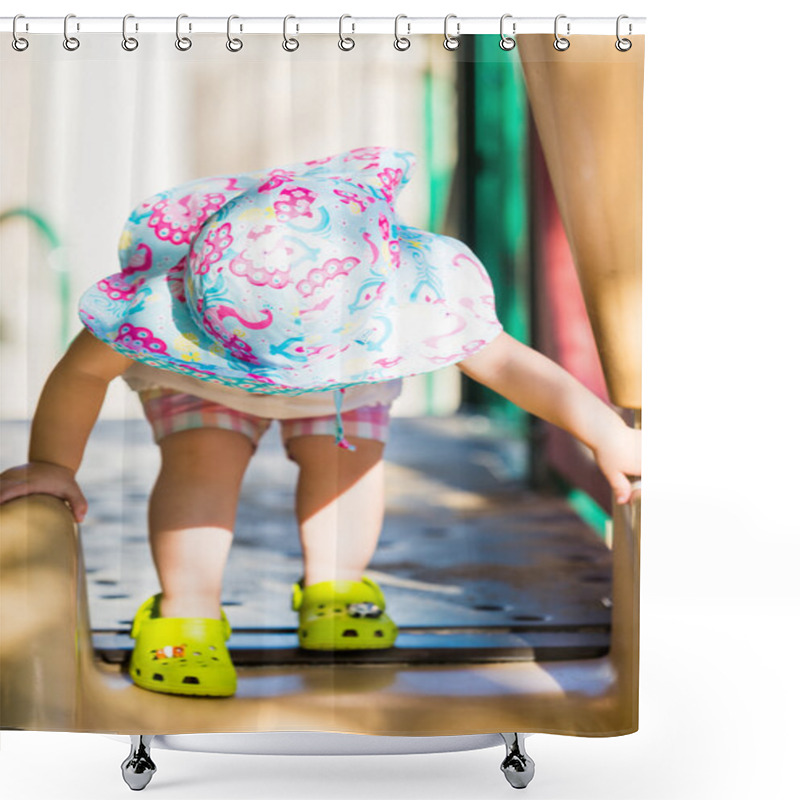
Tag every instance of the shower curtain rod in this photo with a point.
(406, 26)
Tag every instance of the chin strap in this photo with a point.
(338, 395)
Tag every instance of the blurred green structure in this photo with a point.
(495, 209)
(56, 264)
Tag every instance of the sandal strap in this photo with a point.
(329, 592)
(149, 611)
(379, 598)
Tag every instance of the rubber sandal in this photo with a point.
(185, 656)
(343, 615)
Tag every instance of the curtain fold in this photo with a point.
(516, 599)
(587, 107)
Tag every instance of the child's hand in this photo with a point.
(619, 455)
(41, 477)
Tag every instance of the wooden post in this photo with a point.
(587, 107)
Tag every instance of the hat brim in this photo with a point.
(191, 301)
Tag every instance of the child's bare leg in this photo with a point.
(339, 504)
(192, 514)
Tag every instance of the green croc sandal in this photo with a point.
(343, 615)
(184, 656)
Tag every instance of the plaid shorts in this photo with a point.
(169, 411)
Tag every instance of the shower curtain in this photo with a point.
(508, 569)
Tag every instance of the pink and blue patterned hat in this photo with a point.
(292, 280)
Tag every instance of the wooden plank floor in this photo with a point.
(474, 566)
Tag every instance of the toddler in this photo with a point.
(292, 294)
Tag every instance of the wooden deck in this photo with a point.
(475, 567)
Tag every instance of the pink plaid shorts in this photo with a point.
(169, 411)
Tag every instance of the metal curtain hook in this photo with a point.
(506, 42)
(289, 44)
(623, 45)
(560, 43)
(400, 42)
(233, 44)
(129, 43)
(70, 42)
(17, 42)
(346, 43)
(182, 42)
(451, 42)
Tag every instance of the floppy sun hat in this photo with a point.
(291, 280)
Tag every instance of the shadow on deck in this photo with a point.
(475, 567)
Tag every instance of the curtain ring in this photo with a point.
(183, 43)
(233, 44)
(346, 43)
(623, 45)
(400, 42)
(129, 43)
(451, 42)
(17, 42)
(506, 42)
(70, 42)
(561, 44)
(289, 44)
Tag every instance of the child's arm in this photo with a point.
(541, 387)
(65, 415)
